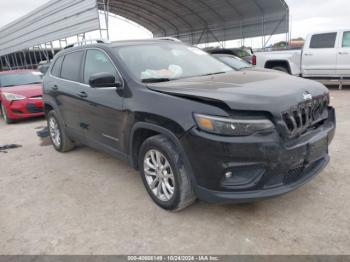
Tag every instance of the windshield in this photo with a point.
(165, 62)
(234, 62)
(20, 79)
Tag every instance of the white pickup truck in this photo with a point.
(324, 55)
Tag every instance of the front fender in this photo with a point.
(163, 131)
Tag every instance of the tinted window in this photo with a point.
(97, 62)
(234, 62)
(346, 39)
(71, 66)
(20, 79)
(323, 40)
(56, 69)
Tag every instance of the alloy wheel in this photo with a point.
(159, 175)
(55, 132)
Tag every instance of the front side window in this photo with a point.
(323, 40)
(97, 62)
(346, 39)
(21, 79)
(168, 61)
(71, 66)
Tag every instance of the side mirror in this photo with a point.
(102, 80)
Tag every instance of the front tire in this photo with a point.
(164, 174)
(60, 141)
(5, 115)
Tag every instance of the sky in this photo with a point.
(306, 16)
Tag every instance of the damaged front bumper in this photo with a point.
(245, 169)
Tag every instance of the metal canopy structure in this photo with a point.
(29, 40)
(55, 20)
(204, 21)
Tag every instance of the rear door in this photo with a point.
(105, 116)
(70, 92)
(320, 55)
(344, 54)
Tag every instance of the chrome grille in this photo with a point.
(305, 115)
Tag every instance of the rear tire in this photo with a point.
(60, 141)
(281, 69)
(5, 116)
(164, 174)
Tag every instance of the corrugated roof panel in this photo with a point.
(55, 20)
(188, 19)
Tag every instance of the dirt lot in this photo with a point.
(86, 202)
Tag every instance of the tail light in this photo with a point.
(254, 60)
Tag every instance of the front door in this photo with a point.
(320, 56)
(344, 55)
(105, 105)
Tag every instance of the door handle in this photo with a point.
(83, 94)
(55, 88)
(308, 54)
(343, 53)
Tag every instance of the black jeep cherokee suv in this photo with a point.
(192, 126)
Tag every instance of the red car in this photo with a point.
(21, 94)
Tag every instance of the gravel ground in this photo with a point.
(86, 202)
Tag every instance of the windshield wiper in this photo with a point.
(217, 73)
(155, 80)
(34, 83)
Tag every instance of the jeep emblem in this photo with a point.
(307, 96)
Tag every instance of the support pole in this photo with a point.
(52, 51)
(16, 61)
(263, 32)
(25, 59)
(1, 64)
(40, 54)
(105, 27)
(35, 57)
(30, 59)
(7, 60)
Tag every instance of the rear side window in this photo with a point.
(346, 39)
(323, 40)
(56, 69)
(71, 66)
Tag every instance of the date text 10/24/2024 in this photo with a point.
(173, 258)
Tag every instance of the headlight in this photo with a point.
(13, 97)
(231, 127)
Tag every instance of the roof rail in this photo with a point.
(169, 39)
(88, 42)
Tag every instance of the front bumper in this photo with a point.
(259, 166)
(27, 108)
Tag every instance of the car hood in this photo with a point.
(26, 90)
(256, 69)
(246, 90)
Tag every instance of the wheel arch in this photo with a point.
(48, 106)
(279, 62)
(152, 129)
